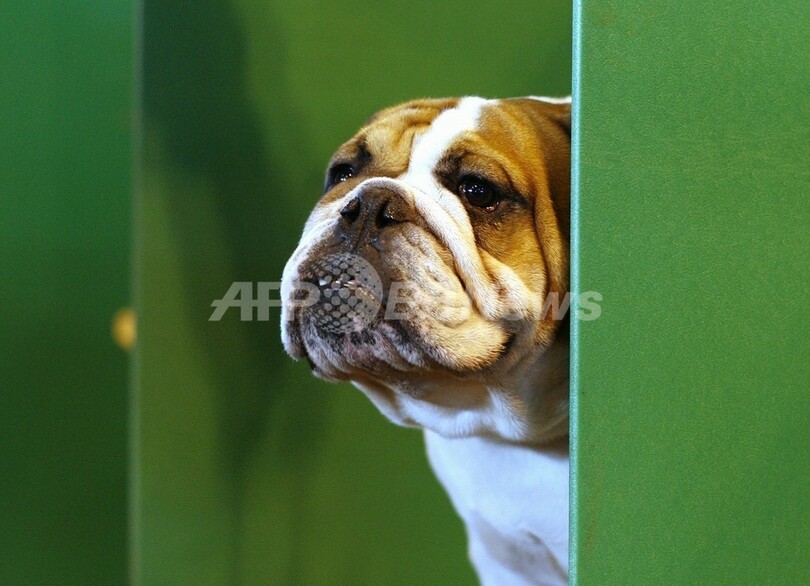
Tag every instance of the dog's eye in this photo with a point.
(340, 173)
(479, 193)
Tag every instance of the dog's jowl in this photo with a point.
(422, 277)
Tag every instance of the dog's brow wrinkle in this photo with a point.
(429, 147)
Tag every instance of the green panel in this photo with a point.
(249, 470)
(692, 411)
(65, 95)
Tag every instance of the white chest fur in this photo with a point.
(514, 501)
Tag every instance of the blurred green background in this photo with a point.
(244, 468)
(65, 198)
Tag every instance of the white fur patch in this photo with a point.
(443, 132)
(514, 501)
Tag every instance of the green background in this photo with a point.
(691, 185)
(249, 470)
(65, 198)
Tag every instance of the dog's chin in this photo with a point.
(395, 351)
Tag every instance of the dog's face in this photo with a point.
(423, 271)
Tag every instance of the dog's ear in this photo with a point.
(558, 110)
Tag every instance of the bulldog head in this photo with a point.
(426, 271)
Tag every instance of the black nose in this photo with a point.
(371, 211)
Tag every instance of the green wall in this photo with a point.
(65, 198)
(691, 394)
(249, 470)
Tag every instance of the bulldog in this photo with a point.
(430, 274)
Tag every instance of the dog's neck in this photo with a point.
(528, 404)
(542, 394)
